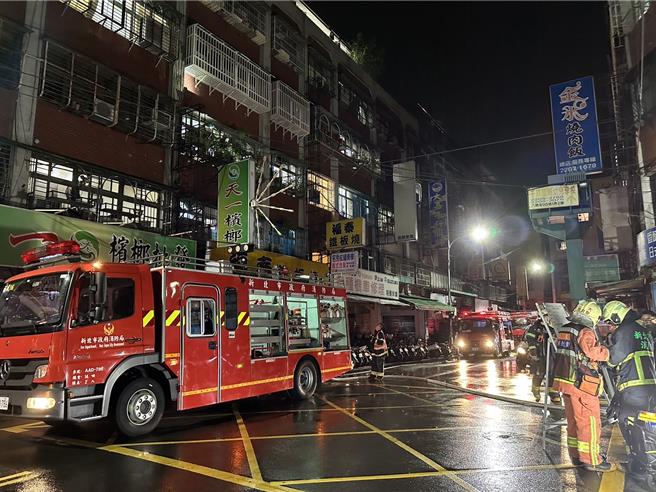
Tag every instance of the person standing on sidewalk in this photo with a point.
(378, 347)
(578, 353)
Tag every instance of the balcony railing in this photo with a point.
(290, 111)
(212, 62)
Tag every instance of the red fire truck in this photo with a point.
(84, 341)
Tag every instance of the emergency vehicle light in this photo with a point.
(49, 250)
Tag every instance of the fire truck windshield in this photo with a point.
(34, 304)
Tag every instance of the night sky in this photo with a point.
(483, 69)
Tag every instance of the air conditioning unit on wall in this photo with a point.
(282, 55)
(104, 111)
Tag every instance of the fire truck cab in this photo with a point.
(485, 332)
(84, 341)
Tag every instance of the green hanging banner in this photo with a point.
(22, 230)
(236, 186)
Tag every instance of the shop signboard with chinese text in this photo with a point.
(575, 127)
(438, 213)
(236, 184)
(346, 262)
(345, 234)
(556, 196)
(368, 283)
(22, 230)
(647, 247)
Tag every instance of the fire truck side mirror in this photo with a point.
(97, 295)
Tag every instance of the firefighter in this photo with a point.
(575, 376)
(632, 354)
(537, 339)
(378, 347)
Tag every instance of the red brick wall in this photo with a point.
(72, 136)
(88, 38)
(214, 23)
(284, 72)
(286, 144)
(214, 106)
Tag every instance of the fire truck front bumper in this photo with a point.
(42, 402)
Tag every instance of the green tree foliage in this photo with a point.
(365, 52)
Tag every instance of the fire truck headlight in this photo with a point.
(41, 371)
(40, 403)
(489, 343)
(461, 343)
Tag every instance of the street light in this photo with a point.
(478, 234)
(535, 267)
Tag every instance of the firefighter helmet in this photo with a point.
(587, 312)
(615, 311)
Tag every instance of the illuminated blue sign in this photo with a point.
(575, 128)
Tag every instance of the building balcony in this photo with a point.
(212, 62)
(290, 111)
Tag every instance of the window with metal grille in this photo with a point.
(84, 87)
(288, 43)
(351, 204)
(58, 184)
(151, 25)
(288, 173)
(321, 191)
(320, 73)
(362, 109)
(385, 220)
(11, 44)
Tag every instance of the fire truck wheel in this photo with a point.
(306, 381)
(139, 407)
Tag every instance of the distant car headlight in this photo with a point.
(461, 343)
(489, 343)
(521, 351)
(41, 371)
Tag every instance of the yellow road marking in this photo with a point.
(248, 445)
(614, 480)
(198, 469)
(19, 429)
(17, 478)
(310, 434)
(398, 476)
(402, 445)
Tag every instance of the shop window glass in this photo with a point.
(303, 322)
(267, 326)
(334, 331)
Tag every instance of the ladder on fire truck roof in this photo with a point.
(226, 268)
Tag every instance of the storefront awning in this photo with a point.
(427, 304)
(377, 300)
(621, 287)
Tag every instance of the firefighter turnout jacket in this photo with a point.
(576, 346)
(632, 353)
(536, 339)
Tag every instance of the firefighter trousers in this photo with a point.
(583, 426)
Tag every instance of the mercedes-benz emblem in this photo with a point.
(5, 368)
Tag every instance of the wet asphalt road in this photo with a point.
(409, 433)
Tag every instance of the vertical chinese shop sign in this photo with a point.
(235, 193)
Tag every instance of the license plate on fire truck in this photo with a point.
(4, 403)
